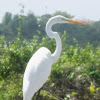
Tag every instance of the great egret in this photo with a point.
(39, 66)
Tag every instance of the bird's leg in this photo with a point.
(37, 98)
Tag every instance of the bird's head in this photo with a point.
(59, 19)
(62, 19)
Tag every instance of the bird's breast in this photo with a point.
(39, 65)
(37, 71)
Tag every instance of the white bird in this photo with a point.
(39, 66)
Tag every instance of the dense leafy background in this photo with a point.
(75, 76)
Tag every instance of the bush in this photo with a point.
(76, 75)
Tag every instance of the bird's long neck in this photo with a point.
(55, 56)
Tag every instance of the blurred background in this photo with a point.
(76, 75)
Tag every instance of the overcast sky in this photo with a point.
(84, 9)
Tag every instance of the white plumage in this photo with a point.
(37, 72)
(39, 66)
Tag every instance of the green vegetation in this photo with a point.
(76, 75)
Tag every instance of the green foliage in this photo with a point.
(76, 75)
(20, 20)
(63, 14)
(13, 61)
(70, 77)
(74, 71)
(26, 26)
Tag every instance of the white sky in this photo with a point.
(84, 9)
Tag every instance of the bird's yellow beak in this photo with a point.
(75, 21)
